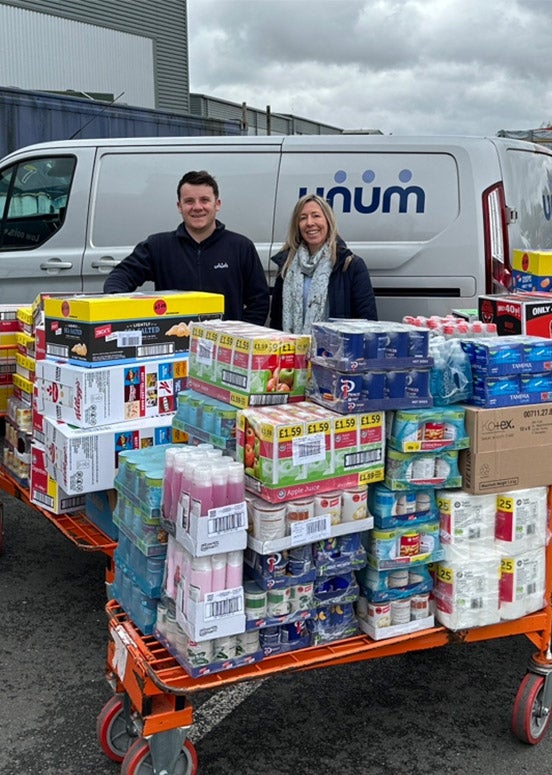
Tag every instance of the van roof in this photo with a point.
(290, 142)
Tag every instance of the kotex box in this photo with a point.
(45, 491)
(85, 460)
(92, 397)
(301, 449)
(244, 364)
(114, 328)
(510, 448)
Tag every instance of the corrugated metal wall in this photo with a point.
(256, 120)
(79, 57)
(163, 21)
(31, 117)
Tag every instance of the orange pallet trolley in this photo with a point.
(75, 527)
(146, 722)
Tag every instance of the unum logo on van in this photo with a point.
(368, 200)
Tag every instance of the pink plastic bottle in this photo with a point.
(220, 484)
(202, 488)
(201, 578)
(176, 485)
(234, 569)
(218, 563)
(236, 489)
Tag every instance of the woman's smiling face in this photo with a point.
(313, 226)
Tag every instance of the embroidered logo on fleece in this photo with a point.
(221, 265)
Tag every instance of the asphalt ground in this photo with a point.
(444, 710)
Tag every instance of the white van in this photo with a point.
(435, 218)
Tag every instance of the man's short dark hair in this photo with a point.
(198, 178)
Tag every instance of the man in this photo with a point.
(201, 255)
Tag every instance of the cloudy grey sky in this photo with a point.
(401, 66)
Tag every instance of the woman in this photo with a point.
(319, 277)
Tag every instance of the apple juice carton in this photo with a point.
(240, 363)
(305, 448)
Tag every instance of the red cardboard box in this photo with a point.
(518, 313)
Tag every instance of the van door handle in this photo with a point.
(105, 262)
(56, 263)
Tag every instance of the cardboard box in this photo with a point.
(83, 461)
(113, 328)
(523, 281)
(45, 491)
(91, 397)
(224, 530)
(537, 262)
(303, 448)
(518, 313)
(220, 614)
(244, 364)
(510, 448)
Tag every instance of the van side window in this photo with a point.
(33, 200)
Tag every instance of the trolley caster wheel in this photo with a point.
(529, 719)
(111, 729)
(138, 759)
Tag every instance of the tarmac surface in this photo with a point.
(444, 710)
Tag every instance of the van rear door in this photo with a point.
(43, 209)
(134, 193)
(527, 171)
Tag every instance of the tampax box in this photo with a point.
(244, 364)
(301, 449)
(518, 313)
(510, 448)
(90, 397)
(85, 460)
(113, 328)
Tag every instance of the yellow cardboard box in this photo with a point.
(537, 262)
(99, 330)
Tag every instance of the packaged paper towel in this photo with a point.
(522, 583)
(467, 593)
(521, 520)
(467, 525)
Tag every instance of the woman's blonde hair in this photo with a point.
(294, 239)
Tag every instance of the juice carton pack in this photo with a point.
(304, 448)
(245, 364)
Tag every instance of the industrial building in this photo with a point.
(123, 53)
